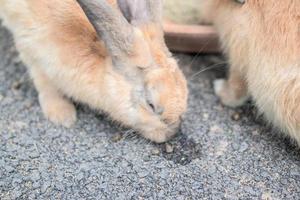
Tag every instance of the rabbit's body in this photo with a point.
(66, 59)
(262, 40)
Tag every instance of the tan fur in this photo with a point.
(67, 60)
(262, 41)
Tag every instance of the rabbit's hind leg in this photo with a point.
(55, 106)
(232, 92)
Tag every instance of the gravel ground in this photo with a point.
(221, 153)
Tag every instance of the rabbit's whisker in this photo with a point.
(217, 65)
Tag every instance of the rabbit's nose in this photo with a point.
(175, 129)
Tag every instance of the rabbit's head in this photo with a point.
(134, 40)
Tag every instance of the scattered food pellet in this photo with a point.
(236, 116)
(169, 148)
(117, 137)
(155, 151)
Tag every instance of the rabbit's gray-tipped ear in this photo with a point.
(139, 12)
(110, 25)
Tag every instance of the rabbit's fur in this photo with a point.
(262, 41)
(122, 69)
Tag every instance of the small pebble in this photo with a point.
(255, 132)
(147, 158)
(184, 160)
(216, 129)
(236, 116)
(205, 116)
(266, 196)
(169, 148)
(155, 151)
(117, 137)
(34, 154)
(244, 146)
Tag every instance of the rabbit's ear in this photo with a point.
(110, 25)
(139, 12)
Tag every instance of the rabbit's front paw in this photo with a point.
(227, 94)
(58, 110)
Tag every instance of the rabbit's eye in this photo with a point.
(141, 68)
(240, 1)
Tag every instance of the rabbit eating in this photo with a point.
(262, 41)
(89, 51)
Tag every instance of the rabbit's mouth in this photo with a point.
(156, 128)
(161, 135)
(176, 127)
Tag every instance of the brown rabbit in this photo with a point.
(88, 51)
(262, 41)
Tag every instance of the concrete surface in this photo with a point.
(221, 153)
(183, 12)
